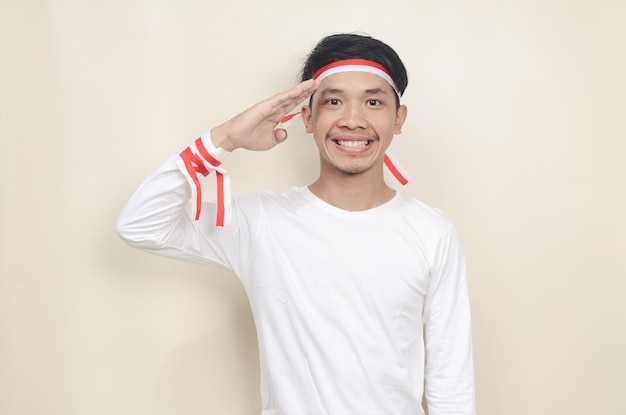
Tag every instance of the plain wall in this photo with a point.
(516, 129)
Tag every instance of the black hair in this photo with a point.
(353, 46)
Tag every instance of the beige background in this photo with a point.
(517, 129)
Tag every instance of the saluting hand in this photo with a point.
(255, 129)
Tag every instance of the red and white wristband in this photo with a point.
(200, 159)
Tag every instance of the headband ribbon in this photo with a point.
(356, 65)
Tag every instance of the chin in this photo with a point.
(352, 170)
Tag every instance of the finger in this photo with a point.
(305, 89)
(288, 100)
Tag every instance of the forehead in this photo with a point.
(355, 82)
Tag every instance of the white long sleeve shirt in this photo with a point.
(357, 313)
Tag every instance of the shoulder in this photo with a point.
(435, 233)
(419, 214)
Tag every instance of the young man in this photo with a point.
(358, 292)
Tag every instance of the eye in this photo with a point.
(333, 101)
(373, 102)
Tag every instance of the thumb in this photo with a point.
(280, 135)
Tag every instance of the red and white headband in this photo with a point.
(356, 65)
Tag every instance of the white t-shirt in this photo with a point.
(356, 312)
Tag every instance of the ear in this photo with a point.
(400, 118)
(306, 117)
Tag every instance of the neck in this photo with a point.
(352, 192)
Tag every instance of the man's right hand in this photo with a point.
(255, 129)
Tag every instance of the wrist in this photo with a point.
(220, 140)
(217, 152)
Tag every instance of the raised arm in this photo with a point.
(159, 217)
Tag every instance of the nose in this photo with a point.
(352, 117)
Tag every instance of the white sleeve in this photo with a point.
(162, 218)
(449, 371)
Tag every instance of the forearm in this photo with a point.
(449, 372)
(155, 207)
(163, 215)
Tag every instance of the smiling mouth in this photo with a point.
(352, 144)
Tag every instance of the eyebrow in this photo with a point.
(371, 91)
(375, 91)
(331, 91)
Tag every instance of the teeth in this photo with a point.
(352, 144)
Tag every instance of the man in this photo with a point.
(359, 292)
